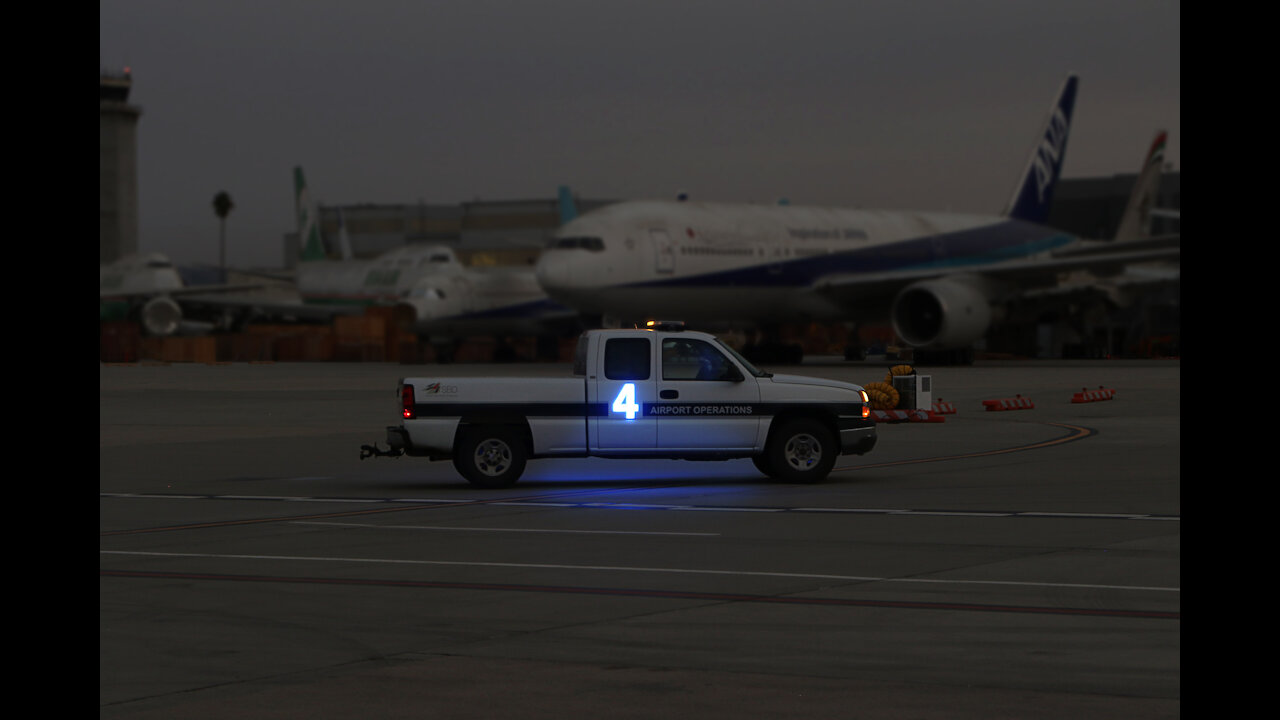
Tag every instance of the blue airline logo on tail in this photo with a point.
(1035, 192)
(1049, 155)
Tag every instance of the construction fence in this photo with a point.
(371, 337)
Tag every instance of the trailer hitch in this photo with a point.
(375, 451)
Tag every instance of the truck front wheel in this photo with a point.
(490, 457)
(802, 450)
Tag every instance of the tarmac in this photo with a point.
(1022, 563)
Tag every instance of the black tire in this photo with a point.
(491, 457)
(801, 451)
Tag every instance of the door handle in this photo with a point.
(669, 394)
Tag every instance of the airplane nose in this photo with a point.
(416, 315)
(550, 271)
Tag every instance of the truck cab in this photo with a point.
(668, 392)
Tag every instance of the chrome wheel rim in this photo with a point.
(802, 452)
(493, 457)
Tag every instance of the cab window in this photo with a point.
(691, 359)
(626, 359)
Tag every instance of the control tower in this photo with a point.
(117, 167)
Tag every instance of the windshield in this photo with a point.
(746, 364)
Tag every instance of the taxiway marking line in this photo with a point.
(624, 568)
(429, 503)
(500, 529)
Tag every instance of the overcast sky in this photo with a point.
(918, 105)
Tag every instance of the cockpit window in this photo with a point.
(594, 244)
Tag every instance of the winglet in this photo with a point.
(308, 220)
(568, 209)
(1032, 199)
(1137, 214)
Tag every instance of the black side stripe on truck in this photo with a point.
(672, 410)
(530, 409)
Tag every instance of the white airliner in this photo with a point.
(939, 277)
(146, 288)
(434, 295)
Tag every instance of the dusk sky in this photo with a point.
(924, 105)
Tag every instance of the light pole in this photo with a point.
(222, 206)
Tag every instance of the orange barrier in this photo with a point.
(1014, 403)
(1087, 395)
(942, 407)
(893, 416)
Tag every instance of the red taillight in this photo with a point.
(406, 401)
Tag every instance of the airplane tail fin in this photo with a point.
(344, 240)
(308, 220)
(1034, 195)
(568, 209)
(1136, 220)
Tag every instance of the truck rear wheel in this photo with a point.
(490, 457)
(802, 450)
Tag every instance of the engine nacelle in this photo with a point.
(942, 313)
(160, 316)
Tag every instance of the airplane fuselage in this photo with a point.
(705, 261)
(379, 281)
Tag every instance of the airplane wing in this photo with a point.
(163, 311)
(264, 307)
(1102, 257)
(109, 293)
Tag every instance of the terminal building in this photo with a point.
(481, 232)
(1091, 207)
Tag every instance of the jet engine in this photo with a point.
(160, 316)
(948, 312)
(431, 305)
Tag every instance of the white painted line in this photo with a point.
(1110, 516)
(956, 513)
(620, 568)
(710, 508)
(258, 497)
(334, 500)
(499, 529)
(154, 496)
(875, 511)
(654, 506)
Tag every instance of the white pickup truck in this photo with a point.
(660, 392)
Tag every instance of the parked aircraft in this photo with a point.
(148, 289)
(940, 278)
(434, 294)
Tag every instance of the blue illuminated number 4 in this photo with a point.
(626, 401)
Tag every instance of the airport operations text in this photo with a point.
(700, 410)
